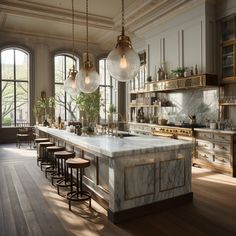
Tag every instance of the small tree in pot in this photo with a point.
(44, 109)
(89, 104)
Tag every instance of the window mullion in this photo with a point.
(65, 92)
(14, 72)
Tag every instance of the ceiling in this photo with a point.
(53, 18)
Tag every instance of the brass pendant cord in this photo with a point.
(87, 58)
(123, 19)
(73, 33)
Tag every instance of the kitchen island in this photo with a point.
(133, 175)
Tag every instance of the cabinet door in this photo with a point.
(228, 61)
(227, 29)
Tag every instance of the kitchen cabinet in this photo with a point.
(228, 49)
(216, 150)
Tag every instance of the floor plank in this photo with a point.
(31, 206)
(20, 223)
(32, 223)
(8, 221)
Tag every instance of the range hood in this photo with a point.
(191, 82)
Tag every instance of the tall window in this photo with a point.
(14, 87)
(108, 90)
(65, 103)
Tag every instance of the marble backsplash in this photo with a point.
(201, 103)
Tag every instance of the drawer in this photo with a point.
(204, 156)
(222, 159)
(204, 144)
(204, 135)
(222, 137)
(222, 147)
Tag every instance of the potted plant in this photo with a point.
(179, 72)
(149, 78)
(111, 112)
(89, 104)
(44, 109)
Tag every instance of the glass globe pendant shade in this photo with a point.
(88, 79)
(71, 84)
(123, 62)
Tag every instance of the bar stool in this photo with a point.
(79, 194)
(42, 148)
(37, 141)
(60, 158)
(50, 153)
(65, 181)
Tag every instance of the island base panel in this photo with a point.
(133, 213)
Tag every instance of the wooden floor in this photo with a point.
(29, 205)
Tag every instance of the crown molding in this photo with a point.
(153, 22)
(47, 36)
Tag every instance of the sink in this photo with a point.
(123, 135)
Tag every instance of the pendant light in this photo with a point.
(123, 62)
(88, 78)
(70, 84)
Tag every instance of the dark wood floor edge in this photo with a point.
(121, 216)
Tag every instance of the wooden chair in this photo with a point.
(25, 135)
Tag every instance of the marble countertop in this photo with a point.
(215, 130)
(115, 146)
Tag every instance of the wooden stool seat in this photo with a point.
(64, 154)
(46, 144)
(39, 140)
(55, 148)
(77, 163)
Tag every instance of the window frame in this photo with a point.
(15, 81)
(112, 86)
(77, 65)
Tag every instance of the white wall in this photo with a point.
(184, 41)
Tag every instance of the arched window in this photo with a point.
(65, 104)
(14, 87)
(108, 90)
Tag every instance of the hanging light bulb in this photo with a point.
(88, 79)
(70, 84)
(123, 62)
